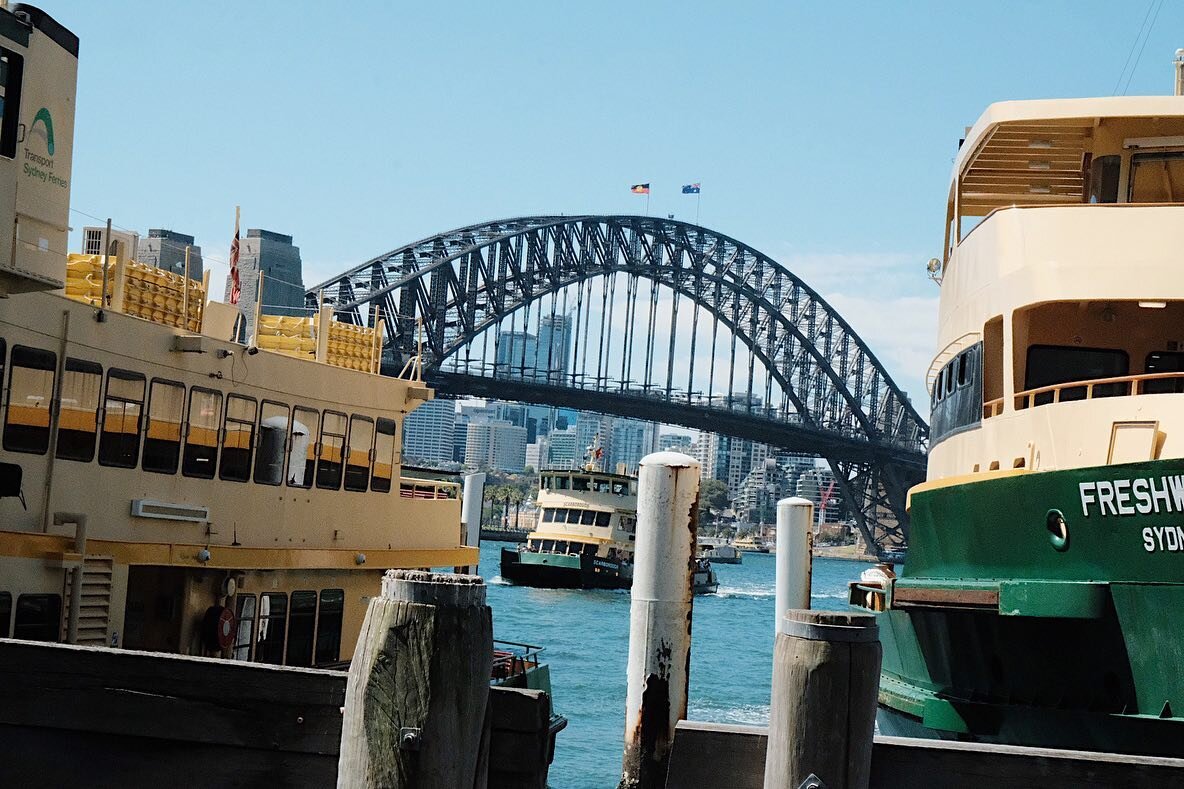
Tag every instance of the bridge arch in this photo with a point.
(443, 294)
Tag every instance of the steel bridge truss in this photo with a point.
(818, 388)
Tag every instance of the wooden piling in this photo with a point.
(826, 672)
(418, 690)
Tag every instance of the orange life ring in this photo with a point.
(218, 628)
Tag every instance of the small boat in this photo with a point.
(704, 580)
(517, 665)
(719, 551)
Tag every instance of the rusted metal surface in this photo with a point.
(660, 615)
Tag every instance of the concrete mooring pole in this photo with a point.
(418, 688)
(660, 614)
(470, 512)
(795, 543)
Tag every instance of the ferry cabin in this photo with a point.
(208, 477)
(586, 512)
(1062, 300)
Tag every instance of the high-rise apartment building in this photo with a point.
(496, 445)
(166, 249)
(553, 353)
(428, 432)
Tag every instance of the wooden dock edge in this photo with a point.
(717, 755)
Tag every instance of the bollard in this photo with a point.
(660, 614)
(418, 688)
(795, 545)
(470, 512)
(822, 715)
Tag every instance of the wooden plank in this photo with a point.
(56, 688)
(714, 756)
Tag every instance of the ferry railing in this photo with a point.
(422, 489)
(1118, 386)
(511, 658)
(993, 408)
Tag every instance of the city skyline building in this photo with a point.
(166, 249)
(275, 256)
(496, 445)
(428, 433)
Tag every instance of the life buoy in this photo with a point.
(217, 628)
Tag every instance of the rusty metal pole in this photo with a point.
(660, 614)
(795, 543)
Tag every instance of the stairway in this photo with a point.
(94, 617)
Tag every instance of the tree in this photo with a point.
(713, 498)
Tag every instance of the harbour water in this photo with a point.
(586, 639)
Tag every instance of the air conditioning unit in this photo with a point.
(163, 510)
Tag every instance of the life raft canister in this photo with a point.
(217, 628)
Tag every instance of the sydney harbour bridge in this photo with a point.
(659, 317)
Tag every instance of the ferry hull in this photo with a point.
(1030, 613)
(558, 571)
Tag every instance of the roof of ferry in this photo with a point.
(1060, 110)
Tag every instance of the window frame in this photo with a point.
(321, 642)
(255, 476)
(312, 629)
(384, 484)
(11, 444)
(49, 626)
(268, 620)
(311, 454)
(6, 608)
(225, 434)
(164, 382)
(348, 452)
(340, 473)
(215, 449)
(86, 367)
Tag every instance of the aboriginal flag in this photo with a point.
(640, 189)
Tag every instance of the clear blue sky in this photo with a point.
(822, 134)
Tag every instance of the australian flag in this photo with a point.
(690, 189)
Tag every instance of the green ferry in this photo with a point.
(1042, 598)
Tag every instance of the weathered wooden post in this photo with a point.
(660, 614)
(415, 705)
(826, 673)
(795, 545)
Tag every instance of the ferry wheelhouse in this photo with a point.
(162, 487)
(1042, 598)
(584, 536)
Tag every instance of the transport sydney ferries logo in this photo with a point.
(1143, 496)
(37, 165)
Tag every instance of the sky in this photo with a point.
(822, 134)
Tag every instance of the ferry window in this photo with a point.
(545, 482)
(5, 614)
(962, 367)
(273, 617)
(588, 517)
(273, 434)
(548, 516)
(573, 516)
(1157, 178)
(302, 446)
(1103, 179)
(602, 518)
(162, 441)
(246, 626)
(30, 390)
(561, 483)
(1164, 362)
(384, 456)
(619, 488)
(12, 67)
(561, 546)
(201, 437)
(78, 420)
(361, 444)
(38, 617)
(548, 545)
(1049, 365)
(589, 549)
(329, 626)
(332, 444)
(238, 438)
(579, 483)
(123, 407)
(301, 626)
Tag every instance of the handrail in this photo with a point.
(1027, 398)
(993, 408)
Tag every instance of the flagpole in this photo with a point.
(698, 197)
(647, 202)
